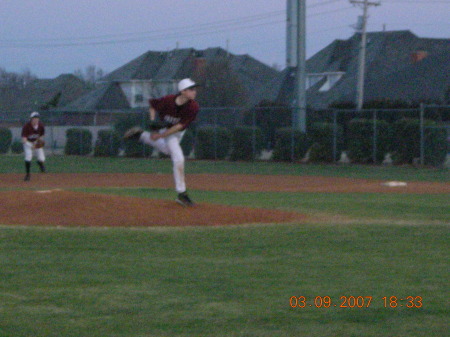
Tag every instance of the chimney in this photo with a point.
(199, 66)
(418, 56)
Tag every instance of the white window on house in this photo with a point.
(137, 91)
(313, 79)
(332, 79)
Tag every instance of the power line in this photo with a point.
(324, 3)
(330, 12)
(239, 20)
(141, 39)
(328, 29)
(419, 1)
(176, 32)
(181, 28)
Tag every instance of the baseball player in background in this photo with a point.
(32, 137)
(177, 112)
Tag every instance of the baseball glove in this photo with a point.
(157, 125)
(39, 143)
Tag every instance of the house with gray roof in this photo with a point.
(39, 92)
(399, 67)
(156, 73)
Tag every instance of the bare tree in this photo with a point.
(220, 86)
(91, 74)
(16, 80)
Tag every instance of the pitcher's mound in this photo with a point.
(64, 208)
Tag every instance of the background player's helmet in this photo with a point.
(35, 114)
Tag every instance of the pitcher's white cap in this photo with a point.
(186, 84)
(35, 114)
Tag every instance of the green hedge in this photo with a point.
(247, 143)
(187, 142)
(283, 145)
(5, 139)
(130, 120)
(78, 142)
(406, 145)
(17, 146)
(436, 145)
(107, 144)
(269, 116)
(321, 136)
(360, 140)
(212, 143)
(134, 149)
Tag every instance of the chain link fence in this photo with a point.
(376, 136)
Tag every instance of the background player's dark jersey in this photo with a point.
(31, 134)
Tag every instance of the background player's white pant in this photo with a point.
(28, 151)
(170, 146)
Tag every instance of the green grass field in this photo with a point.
(14, 164)
(235, 280)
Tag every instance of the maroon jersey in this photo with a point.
(32, 134)
(172, 113)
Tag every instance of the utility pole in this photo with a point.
(299, 115)
(291, 34)
(362, 51)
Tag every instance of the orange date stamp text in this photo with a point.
(355, 302)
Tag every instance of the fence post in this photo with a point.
(294, 121)
(422, 134)
(143, 116)
(374, 142)
(334, 135)
(254, 135)
(110, 134)
(215, 134)
(52, 126)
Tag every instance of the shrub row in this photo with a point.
(406, 142)
(401, 138)
(361, 144)
(6, 142)
(78, 142)
(5, 139)
(240, 143)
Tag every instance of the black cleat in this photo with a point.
(184, 200)
(41, 166)
(27, 177)
(133, 133)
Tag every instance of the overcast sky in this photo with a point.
(51, 37)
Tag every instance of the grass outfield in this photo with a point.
(235, 280)
(58, 164)
(223, 281)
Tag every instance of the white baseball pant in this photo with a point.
(170, 146)
(28, 151)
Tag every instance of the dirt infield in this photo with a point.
(44, 200)
(222, 182)
(65, 208)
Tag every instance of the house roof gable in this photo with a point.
(388, 60)
(106, 96)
